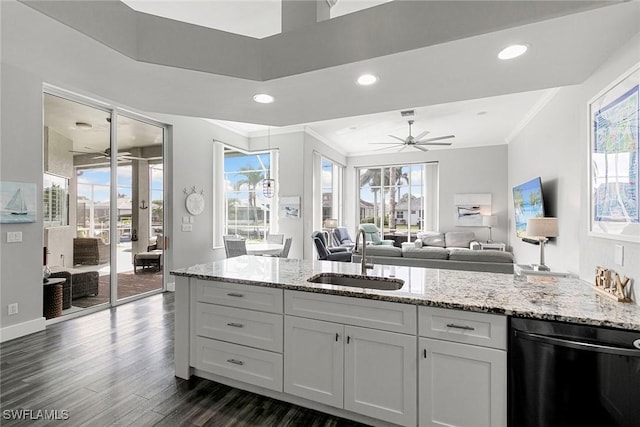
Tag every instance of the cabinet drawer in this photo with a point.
(258, 367)
(387, 316)
(242, 296)
(488, 330)
(252, 328)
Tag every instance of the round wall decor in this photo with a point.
(195, 203)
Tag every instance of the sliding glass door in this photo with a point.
(103, 195)
(140, 207)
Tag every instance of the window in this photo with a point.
(399, 198)
(55, 199)
(248, 211)
(331, 186)
(156, 179)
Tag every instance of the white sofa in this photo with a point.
(452, 250)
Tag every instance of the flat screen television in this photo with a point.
(527, 203)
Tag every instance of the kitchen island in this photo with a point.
(375, 356)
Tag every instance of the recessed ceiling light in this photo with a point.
(263, 98)
(367, 79)
(512, 51)
(83, 125)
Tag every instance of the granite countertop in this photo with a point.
(549, 298)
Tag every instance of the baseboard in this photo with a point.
(22, 329)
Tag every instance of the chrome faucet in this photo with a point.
(364, 266)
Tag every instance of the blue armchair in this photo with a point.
(326, 253)
(341, 238)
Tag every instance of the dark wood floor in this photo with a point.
(115, 367)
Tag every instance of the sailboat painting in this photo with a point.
(17, 202)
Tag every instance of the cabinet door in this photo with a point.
(380, 375)
(313, 360)
(461, 385)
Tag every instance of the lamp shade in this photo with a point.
(489, 220)
(542, 227)
(330, 223)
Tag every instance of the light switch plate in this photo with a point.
(187, 227)
(185, 219)
(618, 255)
(14, 236)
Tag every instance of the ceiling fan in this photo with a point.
(417, 141)
(106, 154)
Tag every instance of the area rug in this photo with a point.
(129, 284)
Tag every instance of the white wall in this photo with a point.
(554, 146)
(465, 170)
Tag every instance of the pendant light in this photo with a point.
(268, 184)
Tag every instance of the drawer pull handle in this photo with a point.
(466, 328)
(425, 353)
(233, 294)
(235, 362)
(348, 339)
(337, 336)
(236, 325)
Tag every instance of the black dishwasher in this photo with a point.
(563, 374)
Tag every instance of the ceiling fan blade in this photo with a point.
(83, 152)
(420, 136)
(386, 143)
(131, 158)
(404, 147)
(438, 138)
(398, 138)
(419, 147)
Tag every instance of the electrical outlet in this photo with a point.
(618, 255)
(13, 309)
(187, 227)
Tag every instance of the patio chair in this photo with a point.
(326, 253)
(235, 247)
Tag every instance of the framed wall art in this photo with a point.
(17, 202)
(469, 208)
(290, 207)
(614, 181)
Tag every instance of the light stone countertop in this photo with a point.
(551, 298)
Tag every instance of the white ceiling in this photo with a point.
(258, 19)
(447, 84)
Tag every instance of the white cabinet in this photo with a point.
(462, 384)
(380, 375)
(313, 360)
(363, 370)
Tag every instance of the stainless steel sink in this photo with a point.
(358, 281)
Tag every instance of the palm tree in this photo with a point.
(376, 180)
(253, 178)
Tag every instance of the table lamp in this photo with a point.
(329, 225)
(489, 221)
(541, 229)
